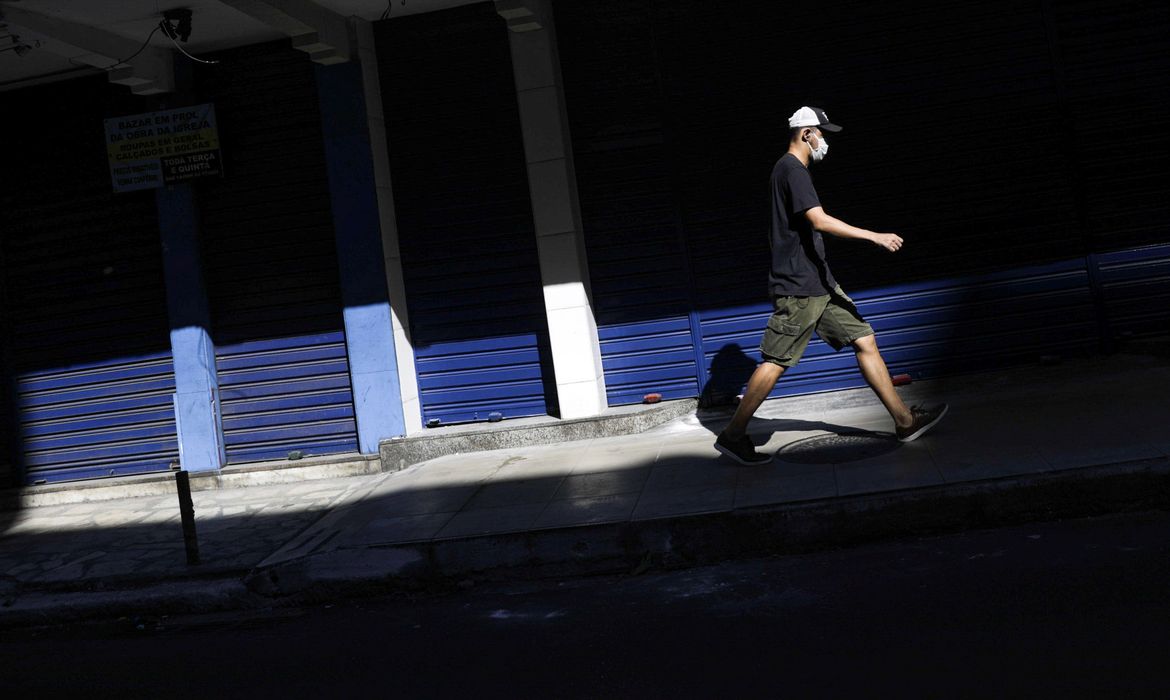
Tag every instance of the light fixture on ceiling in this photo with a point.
(177, 23)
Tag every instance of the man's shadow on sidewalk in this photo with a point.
(730, 370)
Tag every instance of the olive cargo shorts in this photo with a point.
(834, 316)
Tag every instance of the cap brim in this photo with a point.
(829, 127)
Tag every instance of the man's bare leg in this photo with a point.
(873, 368)
(762, 381)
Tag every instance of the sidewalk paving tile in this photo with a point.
(619, 455)
(757, 487)
(528, 467)
(603, 483)
(699, 472)
(561, 457)
(1084, 451)
(686, 500)
(968, 459)
(486, 521)
(405, 528)
(414, 500)
(909, 467)
(590, 510)
(700, 447)
(510, 493)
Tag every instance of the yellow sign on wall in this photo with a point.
(160, 148)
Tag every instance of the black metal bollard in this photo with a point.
(187, 513)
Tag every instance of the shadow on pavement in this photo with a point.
(842, 443)
(849, 446)
(730, 370)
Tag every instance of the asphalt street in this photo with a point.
(1063, 609)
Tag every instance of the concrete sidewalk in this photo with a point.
(1032, 442)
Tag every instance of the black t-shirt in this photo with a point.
(798, 252)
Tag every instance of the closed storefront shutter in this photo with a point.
(1136, 289)
(1115, 84)
(466, 235)
(87, 347)
(271, 262)
(1115, 81)
(638, 262)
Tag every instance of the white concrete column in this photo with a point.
(375, 117)
(556, 213)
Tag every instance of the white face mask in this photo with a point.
(821, 151)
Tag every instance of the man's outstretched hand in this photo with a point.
(890, 241)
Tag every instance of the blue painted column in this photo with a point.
(369, 330)
(196, 387)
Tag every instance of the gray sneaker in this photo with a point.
(924, 419)
(741, 450)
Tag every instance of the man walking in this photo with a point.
(806, 297)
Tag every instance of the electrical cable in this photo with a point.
(118, 63)
(167, 30)
(180, 48)
(140, 50)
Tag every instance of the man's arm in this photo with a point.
(836, 227)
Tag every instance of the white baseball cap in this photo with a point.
(811, 116)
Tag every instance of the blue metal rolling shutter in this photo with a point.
(98, 419)
(1136, 290)
(87, 344)
(466, 236)
(637, 257)
(1112, 58)
(271, 263)
(939, 327)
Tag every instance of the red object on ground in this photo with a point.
(651, 398)
(900, 379)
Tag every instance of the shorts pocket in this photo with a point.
(784, 340)
(779, 325)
